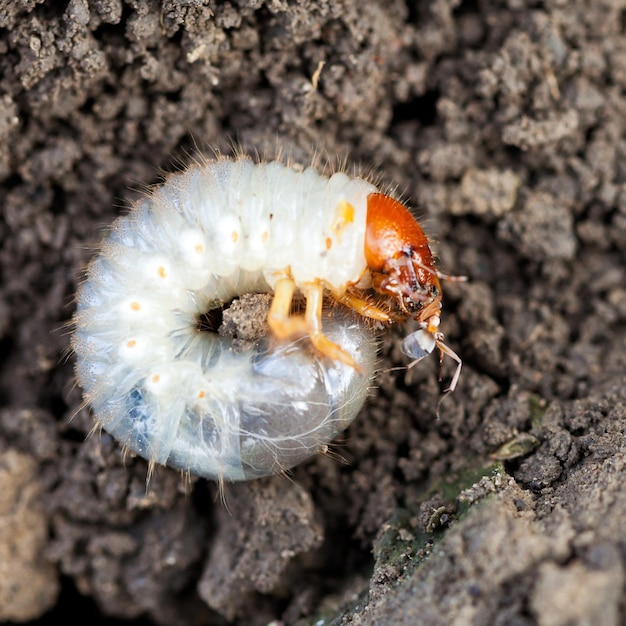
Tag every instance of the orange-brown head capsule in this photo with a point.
(401, 265)
(399, 258)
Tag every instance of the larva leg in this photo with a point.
(363, 307)
(314, 294)
(282, 323)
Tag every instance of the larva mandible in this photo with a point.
(179, 396)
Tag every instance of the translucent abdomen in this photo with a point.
(263, 410)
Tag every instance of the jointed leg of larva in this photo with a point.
(282, 323)
(363, 307)
(314, 294)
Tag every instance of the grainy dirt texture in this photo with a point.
(504, 125)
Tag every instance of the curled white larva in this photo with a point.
(178, 395)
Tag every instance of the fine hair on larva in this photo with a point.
(182, 397)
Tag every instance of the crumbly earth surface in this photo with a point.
(504, 126)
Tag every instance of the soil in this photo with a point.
(503, 124)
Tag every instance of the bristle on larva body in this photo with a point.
(180, 396)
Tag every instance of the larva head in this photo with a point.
(400, 261)
(401, 265)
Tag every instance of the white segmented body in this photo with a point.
(182, 397)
